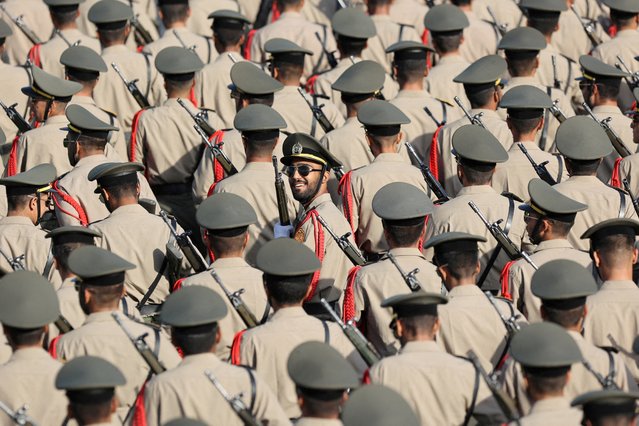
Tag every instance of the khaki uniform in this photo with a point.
(439, 81)
(44, 145)
(186, 392)
(316, 421)
(388, 33)
(410, 13)
(266, 349)
(456, 215)
(294, 27)
(101, 336)
(521, 273)
(28, 378)
(348, 144)
(12, 79)
(621, 125)
(447, 164)
(480, 39)
(50, 52)
(200, 10)
(554, 411)
(319, 11)
(236, 275)
(255, 184)
(19, 236)
(365, 183)
(513, 175)
(422, 371)
(627, 170)
(571, 39)
(211, 87)
(203, 45)
(613, 310)
(470, 321)
(507, 13)
(378, 281)
(567, 71)
(35, 14)
(603, 203)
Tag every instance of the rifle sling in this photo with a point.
(327, 333)
(154, 284)
(622, 201)
(323, 52)
(267, 309)
(493, 257)
(560, 168)
(473, 402)
(313, 119)
(253, 387)
(148, 76)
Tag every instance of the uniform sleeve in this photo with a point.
(203, 178)
(359, 295)
(256, 48)
(65, 213)
(160, 404)
(267, 407)
(247, 352)
(140, 139)
(625, 381)
(21, 157)
(515, 284)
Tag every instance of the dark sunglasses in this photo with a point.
(303, 170)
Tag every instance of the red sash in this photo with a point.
(348, 305)
(615, 179)
(134, 131)
(318, 234)
(57, 192)
(504, 278)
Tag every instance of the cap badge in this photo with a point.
(297, 148)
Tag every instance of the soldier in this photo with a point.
(627, 165)
(549, 217)
(211, 84)
(175, 15)
(604, 406)
(28, 305)
(477, 152)
(193, 314)
(546, 353)
(48, 96)
(260, 127)
(446, 24)
(201, 11)
(64, 14)
(90, 384)
(416, 323)
(101, 277)
(480, 38)
(404, 210)
(34, 14)
(505, 15)
(225, 219)
(112, 19)
(583, 143)
(287, 63)
(22, 241)
(571, 39)
(483, 87)
(409, 13)
(378, 405)
(323, 380)
(612, 311)
(288, 267)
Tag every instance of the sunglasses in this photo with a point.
(71, 137)
(303, 170)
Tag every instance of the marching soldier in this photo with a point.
(34, 15)
(480, 38)
(201, 11)
(378, 405)
(193, 314)
(409, 13)
(602, 406)
(571, 39)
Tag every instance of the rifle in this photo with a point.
(432, 183)
(621, 349)
(510, 323)
(556, 82)
(63, 324)
(19, 121)
(501, 28)
(200, 119)
(589, 28)
(193, 256)
(474, 119)
(232, 58)
(361, 343)
(19, 416)
(557, 112)
(235, 402)
(344, 244)
(607, 382)
(634, 77)
(540, 169)
(141, 346)
(317, 113)
(238, 304)
(505, 402)
(19, 22)
(503, 240)
(615, 140)
(409, 278)
(15, 263)
(141, 34)
(132, 87)
(216, 151)
(64, 39)
(177, 36)
(282, 207)
(330, 56)
(635, 201)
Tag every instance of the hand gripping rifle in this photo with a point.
(282, 203)
(363, 346)
(16, 118)
(319, 115)
(635, 201)
(238, 304)
(141, 346)
(409, 278)
(615, 140)
(19, 416)
(19, 22)
(474, 119)
(193, 256)
(540, 169)
(235, 402)
(432, 183)
(132, 87)
(344, 244)
(589, 28)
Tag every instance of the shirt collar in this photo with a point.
(129, 208)
(207, 358)
(390, 157)
(553, 244)
(289, 312)
(618, 285)
(550, 404)
(29, 354)
(476, 189)
(421, 346)
(464, 290)
(406, 251)
(227, 262)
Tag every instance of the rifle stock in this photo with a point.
(19, 416)
(409, 278)
(19, 22)
(192, 254)
(132, 87)
(343, 243)
(432, 183)
(141, 346)
(21, 124)
(319, 115)
(238, 304)
(614, 138)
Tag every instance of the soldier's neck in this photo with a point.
(379, 9)
(175, 25)
(447, 54)
(452, 282)
(412, 86)
(524, 137)
(622, 273)
(68, 26)
(605, 102)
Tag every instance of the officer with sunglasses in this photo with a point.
(628, 166)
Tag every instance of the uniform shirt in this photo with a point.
(422, 372)
(319, 11)
(614, 310)
(101, 336)
(410, 13)
(470, 321)
(553, 411)
(200, 10)
(507, 13)
(35, 15)
(29, 378)
(204, 47)
(316, 421)
(447, 164)
(255, 183)
(571, 39)
(513, 175)
(348, 144)
(480, 39)
(521, 273)
(603, 203)
(365, 182)
(456, 215)
(44, 145)
(12, 79)
(567, 71)
(389, 32)
(185, 391)
(625, 44)
(236, 275)
(628, 170)
(621, 125)
(50, 51)
(439, 81)
(378, 281)
(212, 87)
(266, 349)
(19, 236)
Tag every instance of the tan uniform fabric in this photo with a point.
(203, 46)
(200, 10)
(422, 372)
(456, 215)
(521, 273)
(409, 12)
(236, 275)
(614, 310)
(249, 9)
(628, 170)
(19, 236)
(35, 14)
(378, 281)
(28, 378)
(44, 145)
(255, 184)
(555, 411)
(592, 9)
(186, 392)
(567, 71)
(621, 125)
(603, 203)
(625, 44)
(12, 79)
(447, 164)
(267, 347)
(319, 11)
(388, 33)
(480, 39)
(365, 183)
(439, 81)
(101, 336)
(571, 39)
(5, 349)
(211, 87)
(507, 13)
(348, 144)
(513, 175)
(470, 321)
(316, 421)
(51, 50)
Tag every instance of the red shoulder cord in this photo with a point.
(217, 138)
(344, 189)
(53, 347)
(192, 97)
(429, 57)
(421, 239)
(366, 379)
(248, 44)
(612, 31)
(177, 285)
(134, 138)
(615, 179)
(57, 192)
(34, 55)
(318, 234)
(139, 414)
(348, 305)
(310, 84)
(504, 278)
(235, 348)
(275, 12)
(434, 153)
(12, 163)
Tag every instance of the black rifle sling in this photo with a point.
(493, 257)
(253, 387)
